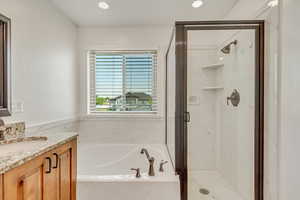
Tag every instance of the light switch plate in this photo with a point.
(194, 100)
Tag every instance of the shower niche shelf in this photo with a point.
(213, 66)
(216, 88)
(213, 77)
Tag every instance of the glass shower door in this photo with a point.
(220, 100)
(219, 109)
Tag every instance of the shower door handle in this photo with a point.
(187, 117)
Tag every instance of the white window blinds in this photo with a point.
(122, 81)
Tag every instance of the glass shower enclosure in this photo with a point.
(214, 109)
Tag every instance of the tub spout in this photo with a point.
(151, 167)
(145, 151)
(151, 162)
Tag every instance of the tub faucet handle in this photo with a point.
(161, 165)
(138, 172)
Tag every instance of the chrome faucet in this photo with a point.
(151, 162)
(145, 151)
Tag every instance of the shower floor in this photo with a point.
(212, 181)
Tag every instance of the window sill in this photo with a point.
(123, 116)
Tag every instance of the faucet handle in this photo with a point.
(161, 165)
(1, 135)
(138, 172)
(2, 132)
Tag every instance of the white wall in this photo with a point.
(130, 129)
(44, 67)
(271, 105)
(289, 160)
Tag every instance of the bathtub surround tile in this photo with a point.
(129, 190)
(122, 131)
(12, 159)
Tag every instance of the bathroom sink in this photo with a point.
(22, 145)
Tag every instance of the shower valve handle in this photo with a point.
(234, 98)
(228, 98)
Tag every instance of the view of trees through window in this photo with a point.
(125, 81)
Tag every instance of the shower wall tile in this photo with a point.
(201, 129)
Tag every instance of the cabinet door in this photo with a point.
(60, 184)
(65, 175)
(51, 181)
(67, 171)
(26, 182)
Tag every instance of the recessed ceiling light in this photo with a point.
(197, 3)
(103, 5)
(273, 3)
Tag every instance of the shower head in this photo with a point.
(227, 48)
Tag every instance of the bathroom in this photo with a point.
(164, 100)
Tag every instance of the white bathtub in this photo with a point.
(104, 173)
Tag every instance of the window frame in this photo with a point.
(127, 114)
(5, 65)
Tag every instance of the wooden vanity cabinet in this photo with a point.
(51, 176)
(1, 187)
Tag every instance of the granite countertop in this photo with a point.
(15, 154)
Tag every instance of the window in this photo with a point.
(2, 61)
(5, 105)
(122, 81)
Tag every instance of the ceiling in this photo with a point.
(141, 12)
